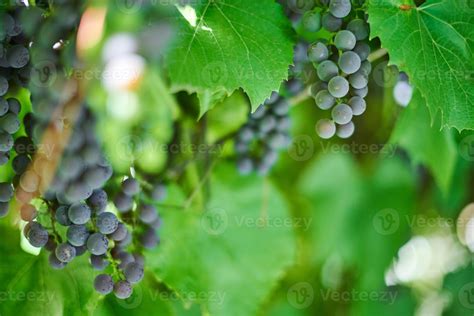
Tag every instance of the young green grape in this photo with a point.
(331, 23)
(134, 272)
(362, 49)
(327, 70)
(245, 165)
(358, 105)
(346, 130)
(325, 100)
(360, 92)
(122, 289)
(65, 252)
(318, 52)
(4, 158)
(4, 208)
(325, 128)
(6, 141)
(366, 67)
(77, 235)
(149, 239)
(338, 87)
(14, 106)
(98, 201)
(159, 192)
(97, 244)
(10, 123)
(104, 284)
(6, 192)
(79, 213)
(99, 262)
(120, 233)
(340, 8)
(55, 263)
(342, 114)
(403, 93)
(359, 80)
(18, 56)
(345, 40)
(130, 187)
(37, 235)
(359, 28)
(349, 62)
(4, 106)
(107, 223)
(3, 86)
(147, 213)
(123, 202)
(317, 87)
(312, 21)
(20, 163)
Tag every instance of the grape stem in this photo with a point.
(52, 213)
(379, 53)
(305, 94)
(116, 271)
(187, 203)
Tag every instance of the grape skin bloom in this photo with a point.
(325, 128)
(349, 62)
(342, 114)
(338, 87)
(340, 8)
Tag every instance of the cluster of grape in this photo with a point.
(144, 219)
(60, 165)
(136, 211)
(342, 66)
(267, 131)
(76, 200)
(14, 73)
(53, 35)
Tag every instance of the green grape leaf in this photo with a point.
(423, 141)
(221, 257)
(226, 45)
(434, 45)
(29, 286)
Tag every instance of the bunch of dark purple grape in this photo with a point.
(267, 132)
(60, 169)
(342, 66)
(14, 74)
